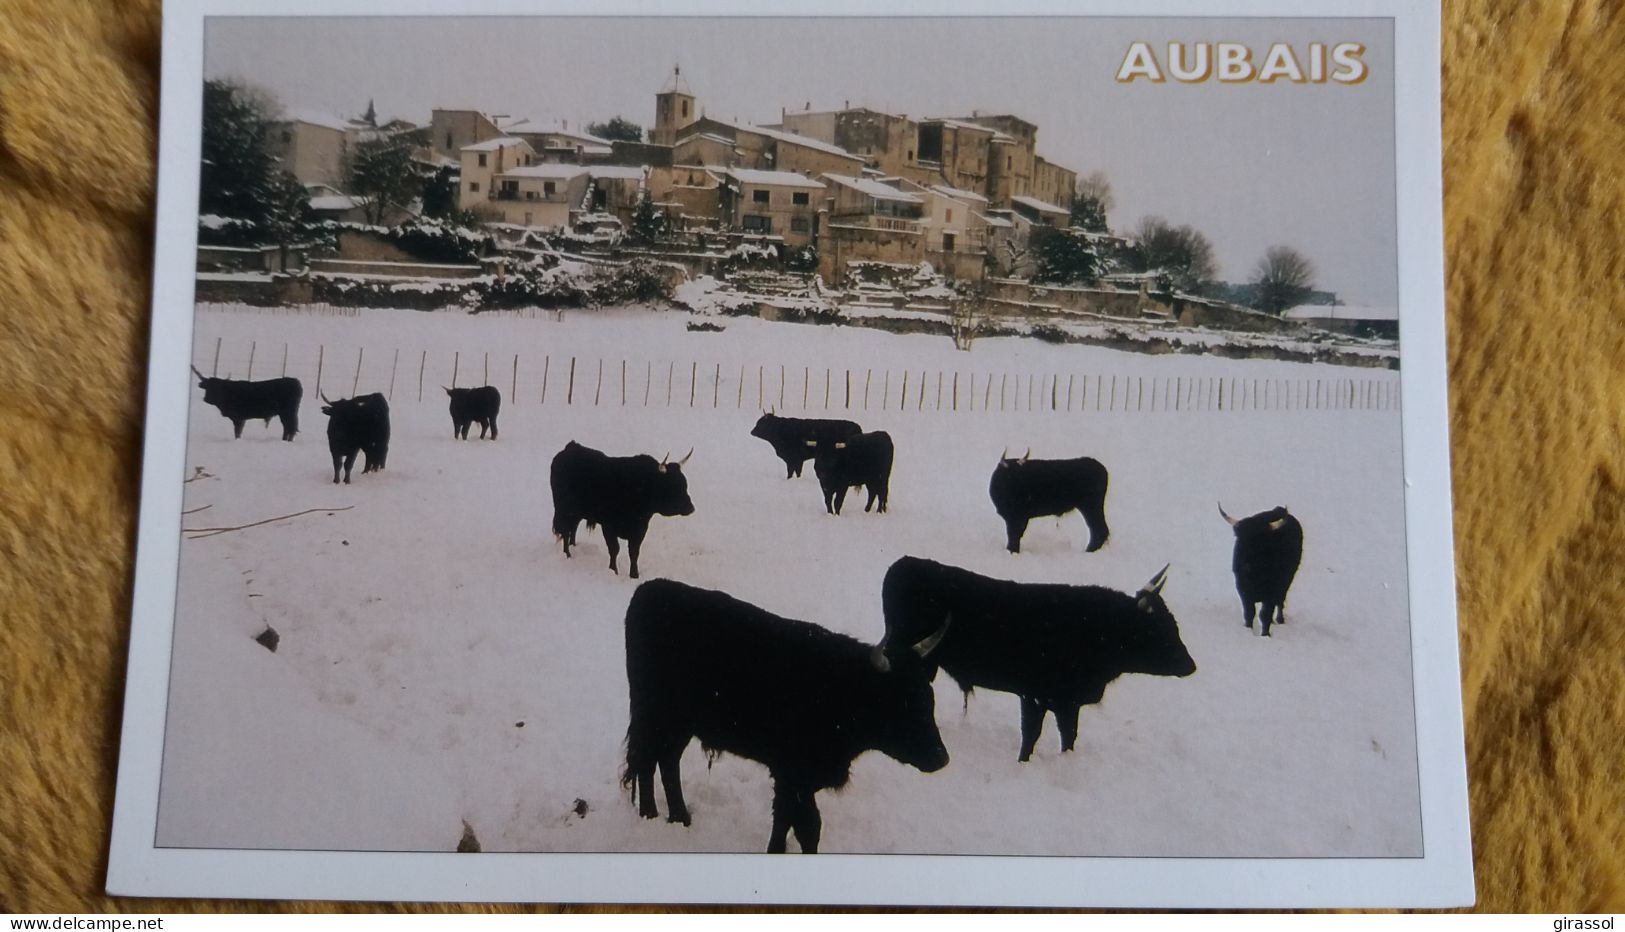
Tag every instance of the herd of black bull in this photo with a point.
(800, 699)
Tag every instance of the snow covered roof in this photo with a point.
(874, 189)
(711, 137)
(491, 145)
(551, 170)
(617, 171)
(1341, 312)
(319, 118)
(959, 194)
(1033, 203)
(977, 127)
(336, 202)
(994, 221)
(533, 128)
(781, 179)
(792, 139)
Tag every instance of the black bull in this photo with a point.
(1269, 547)
(620, 493)
(1055, 647)
(1023, 489)
(474, 405)
(240, 401)
(357, 425)
(795, 697)
(864, 460)
(790, 437)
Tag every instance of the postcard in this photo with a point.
(685, 454)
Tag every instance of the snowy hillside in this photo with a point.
(442, 662)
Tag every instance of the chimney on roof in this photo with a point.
(846, 105)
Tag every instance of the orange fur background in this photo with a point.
(1534, 143)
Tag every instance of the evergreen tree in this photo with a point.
(648, 223)
(238, 170)
(287, 212)
(440, 192)
(618, 128)
(1064, 258)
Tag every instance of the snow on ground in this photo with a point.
(441, 661)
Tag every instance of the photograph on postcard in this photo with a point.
(723, 434)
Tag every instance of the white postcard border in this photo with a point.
(1442, 877)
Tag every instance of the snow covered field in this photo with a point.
(442, 663)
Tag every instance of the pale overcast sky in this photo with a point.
(1311, 166)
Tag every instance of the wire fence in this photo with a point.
(607, 382)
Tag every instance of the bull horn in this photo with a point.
(198, 374)
(1226, 517)
(1004, 455)
(1026, 455)
(663, 459)
(925, 647)
(448, 391)
(1154, 587)
(686, 456)
(326, 400)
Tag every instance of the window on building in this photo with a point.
(799, 197)
(287, 137)
(482, 159)
(799, 225)
(685, 108)
(950, 215)
(759, 196)
(548, 188)
(530, 195)
(755, 224)
(911, 155)
(947, 242)
(1009, 161)
(474, 187)
(448, 141)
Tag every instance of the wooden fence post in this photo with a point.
(357, 380)
(939, 390)
(547, 368)
(848, 404)
(868, 376)
(485, 373)
(251, 346)
(648, 379)
(513, 386)
(422, 362)
(393, 365)
(570, 386)
(456, 364)
(956, 389)
(693, 377)
(321, 351)
(215, 372)
(716, 386)
(284, 360)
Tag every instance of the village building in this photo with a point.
(772, 203)
(674, 109)
(1040, 213)
(315, 147)
(616, 190)
(690, 196)
(451, 130)
(869, 220)
(547, 194)
(329, 203)
(1360, 321)
(994, 156)
(481, 162)
(556, 142)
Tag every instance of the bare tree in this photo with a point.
(1283, 278)
(1182, 254)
